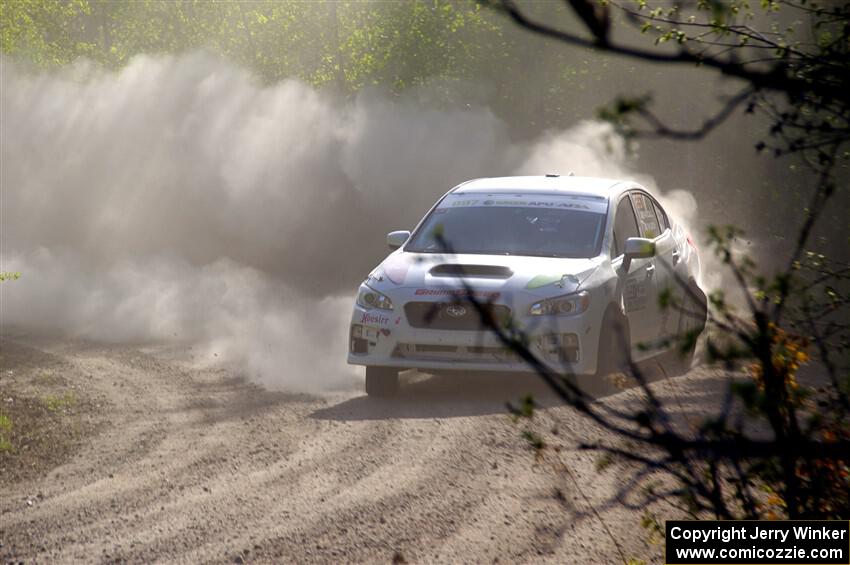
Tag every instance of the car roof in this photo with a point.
(543, 184)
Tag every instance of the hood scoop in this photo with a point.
(478, 271)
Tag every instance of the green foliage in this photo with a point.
(56, 403)
(619, 113)
(525, 408)
(451, 47)
(603, 461)
(534, 440)
(349, 44)
(402, 44)
(9, 276)
(5, 429)
(653, 527)
(43, 30)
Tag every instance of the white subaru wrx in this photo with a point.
(576, 263)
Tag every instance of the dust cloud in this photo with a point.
(179, 199)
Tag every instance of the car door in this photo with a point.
(677, 273)
(681, 317)
(666, 256)
(637, 284)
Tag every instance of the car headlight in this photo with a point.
(368, 298)
(568, 305)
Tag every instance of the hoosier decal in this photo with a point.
(375, 319)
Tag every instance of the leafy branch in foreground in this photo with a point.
(727, 466)
(790, 60)
(778, 444)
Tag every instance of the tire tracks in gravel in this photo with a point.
(151, 472)
(198, 465)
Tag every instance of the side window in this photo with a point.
(625, 226)
(662, 216)
(647, 220)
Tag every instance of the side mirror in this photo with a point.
(396, 239)
(637, 248)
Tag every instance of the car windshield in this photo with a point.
(550, 227)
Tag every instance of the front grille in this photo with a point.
(451, 315)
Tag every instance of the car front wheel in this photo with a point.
(614, 351)
(381, 381)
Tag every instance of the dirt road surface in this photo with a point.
(181, 464)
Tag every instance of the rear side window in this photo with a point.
(662, 216)
(625, 226)
(647, 220)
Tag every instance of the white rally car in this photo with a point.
(577, 264)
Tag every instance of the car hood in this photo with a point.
(535, 275)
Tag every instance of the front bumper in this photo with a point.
(384, 338)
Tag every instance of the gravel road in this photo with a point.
(198, 465)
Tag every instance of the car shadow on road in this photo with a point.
(454, 396)
(442, 396)
(465, 394)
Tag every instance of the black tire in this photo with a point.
(614, 353)
(381, 381)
